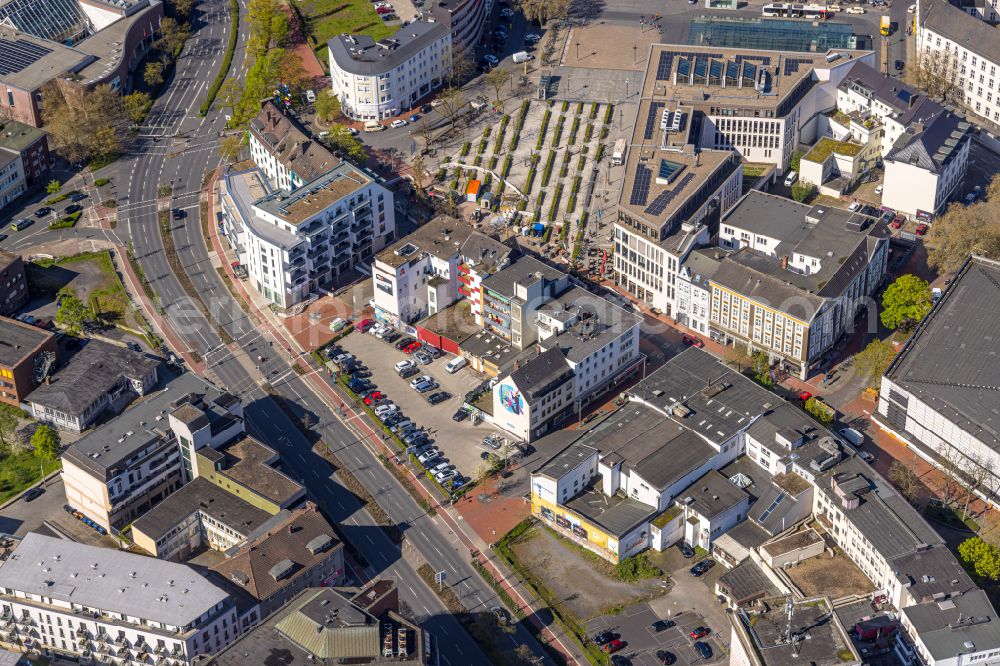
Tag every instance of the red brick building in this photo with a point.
(32, 146)
(13, 284)
(21, 347)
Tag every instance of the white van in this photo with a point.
(791, 178)
(455, 364)
(338, 324)
(522, 56)
(374, 126)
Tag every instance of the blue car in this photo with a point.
(703, 649)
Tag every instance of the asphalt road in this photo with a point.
(175, 148)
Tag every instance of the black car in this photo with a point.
(703, 649)
(73, 208)
(426, 108)
(686, 551)
(42, 212)
(485, 455)
(391, 337)
(665, 658)
(433, 351)
(3, 237)
(899, 65)
(440, 396)
(33, 494)
(604, 637)
(460, 415)
(179, 214)
(409, 371)
(361, 374)
(77, 196)
(402, 343)
(701, 567)
(660, 625)
(619, 660)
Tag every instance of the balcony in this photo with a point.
(319, 249)
(82, 631)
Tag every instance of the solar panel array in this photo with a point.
(764, 60)
(749, 73)
(792, 65)
(664, 198)
(651, 119)
(17, 54)
(640, 185)
(770, 509)
(666, 63)
(57, 20)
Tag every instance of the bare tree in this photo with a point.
(452, 102)
(541, 11)
(902, 476)
(951, 472)
(419, 171)
(936, 71)
(462, 67)
(980, 471)
(497, 78)
(425, 131)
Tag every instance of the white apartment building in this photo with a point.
(284, 152)
(376, 80)
(925, 147)
(101, 605)
(971, 51)
(120, 471)
(694, 289)
(294, 244)
(12, 179)
(798, 279)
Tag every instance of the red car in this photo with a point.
(373, 397)
(700, 632)
(383, 10)
(364, 325)
(613, 646)
(898, 221)
(692, 341)
(412, 347)
(804, 396)
(921, 229)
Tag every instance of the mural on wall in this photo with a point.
(510, 398)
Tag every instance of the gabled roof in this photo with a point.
(931, 146)
(290, 144)
(965, 30)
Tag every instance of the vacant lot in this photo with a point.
(579, 586)
(833, 577)
(328, 18)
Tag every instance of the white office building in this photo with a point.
(101, 605)
(376, 80)
(284, 152)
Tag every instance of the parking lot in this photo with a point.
(460, 442)
(642, 642)
(45, 514)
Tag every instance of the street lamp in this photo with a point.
(626, 92)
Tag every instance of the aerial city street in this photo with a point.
(511, 332)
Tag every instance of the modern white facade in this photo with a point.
(376, 80)
(295, 244)
(101, 605)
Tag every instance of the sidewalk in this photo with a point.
(357, 421)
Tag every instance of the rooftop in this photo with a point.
(19, 340)
(596, 321)
(965, 30)
(792, 542)
(960, 625)
(909, 105)
(932, 573)
(950, 362)
(18, 136)
(746, 582)
(827, 146)
(248, 462)
(30, 62)
(289, 143)
(616, 515)
(755, 32)
(495, 350)
(713, 494)
(484, 253)
(200, 495)
(442, 237)
(110, 580)
(241, 189)
(340, 181)
(524, 271)
(103, 450)
(90, 373)
(360, 54)
(565, 461)
(271, 562)
(541, 374)
(817, 637)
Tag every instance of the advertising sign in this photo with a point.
(511, 399)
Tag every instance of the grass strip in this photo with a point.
(227, 58)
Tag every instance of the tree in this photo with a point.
(172, 36)
(462, 67)
(905, 480)
(230, 93)
(452, 102)
(293, 73)
(936, 71)
(72, 313)
(950, 472)
(976, 475)
(803, 192)
(85, 124)
(497, 78)
(327, 105)
(795, 161)
(964, 230)
(137, 106)
(340, 138)
(53, 187)
(230, 147)
(425, 131)
(524, 655)
(182, 8)
(981, 557)
(45, 441)
(872, 361)
(419, 171)
(762, 369)
(820, 410)
(905, 302)
(541, 11)
(8, 425)
(262, 21)
(153, 74)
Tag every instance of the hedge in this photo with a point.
(465, 149)
(522, 115)
(541, 130)
(593, 110)
(506, 166)
(582, 162)
(554, 208)
(608, 113)
(573, 130)
(529, 181)
(587, 133)
(547, 171)
(558, 133)
(66, 222)
(565, 106)
(227, 59)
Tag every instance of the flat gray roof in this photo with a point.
(360, 54)
(39, 60)
(111, 580)
(442, 237)
(525, 270)
(713, 494)
(826, 638)
(599, 322)
(961, 625)
(616, 514)
(950, 363)
(17, 136)
(243, 189)
(932, 571)
(565, 461)
(340, 181)
(542, 374)
(746, 582)
(18, 340)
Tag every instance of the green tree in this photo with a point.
(137, 106)
(983, 558)
(905, 302)
(340, 138)
(820, 410)
(72, 313)
(53, 187)
(964, 230)
(8, 424)
(153, 74)
(230, 147)
(230, 93)
(172, 36)
(795, 161)
(327, 105)
(762, 369)
(45, 441)
(872, 361)
(803, 192)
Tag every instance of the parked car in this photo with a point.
(440, 467)
(614, 645)
(692, 341)
(364, 325)
(439, 397)
(620, 660)
(402, 365)
(867, 457)
(419, 380)
(428, 455)
(661, 625)
(460, 415)
(879, 189)
(531, 38)
(423, 357)
(703, 650)
(42, 212)
(424, 387)
(402, 343)
(897, 221)
(32, 494)
(396, 124)
(388, 17)
(391, 336)
(491, 60)
(686, 551)
(406, 373)
(700, 632)
(374, 397)
(854, 206)
(412, 347)
(506, 12)
(852, 436)
(665, 658)
(441, 477)
(922, 229)
(700, 569)
(75, 208)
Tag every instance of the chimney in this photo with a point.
(784, 263)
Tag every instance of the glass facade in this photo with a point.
(57, 20)
(772, 34)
